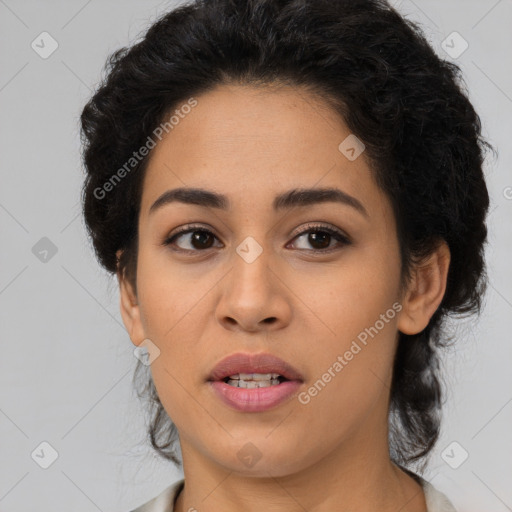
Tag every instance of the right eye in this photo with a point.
(200, 240)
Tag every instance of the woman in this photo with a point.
(292, 198)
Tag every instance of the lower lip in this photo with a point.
(256, 399)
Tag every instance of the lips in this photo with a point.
(253, 363)
(257, 399)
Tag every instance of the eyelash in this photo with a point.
(310, 228)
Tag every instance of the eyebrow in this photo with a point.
(298, 197)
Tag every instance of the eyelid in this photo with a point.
(320, 226)
(188, 228)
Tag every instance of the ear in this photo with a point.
(425, 291)
(130, 310)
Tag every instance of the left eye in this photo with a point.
(322, 236)
(201, 238)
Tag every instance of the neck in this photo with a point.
(357, 475)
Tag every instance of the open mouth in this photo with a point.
(254, 380)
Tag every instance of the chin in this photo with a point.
(251, 459)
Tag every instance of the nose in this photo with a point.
(254, 296)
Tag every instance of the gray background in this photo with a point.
(67, 361)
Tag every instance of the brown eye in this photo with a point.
(199, 239)
(320, 237)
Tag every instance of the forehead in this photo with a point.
(253, 143)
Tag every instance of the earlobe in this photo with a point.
(130, 310)
(425, 291)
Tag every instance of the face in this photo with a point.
(316, 284)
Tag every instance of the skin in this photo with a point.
(332, 453)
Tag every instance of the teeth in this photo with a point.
(252, 384)
(254, 376)
(253, 380)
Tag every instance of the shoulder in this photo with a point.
(164, 502)
(436, 500)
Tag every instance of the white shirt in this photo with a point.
(164, 502)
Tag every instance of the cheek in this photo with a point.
(168, 292)
(174, 306)
(351, 294)
(351, 374)
(357, 307)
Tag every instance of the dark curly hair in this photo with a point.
(422, 136)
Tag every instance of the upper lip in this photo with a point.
(253, 363)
